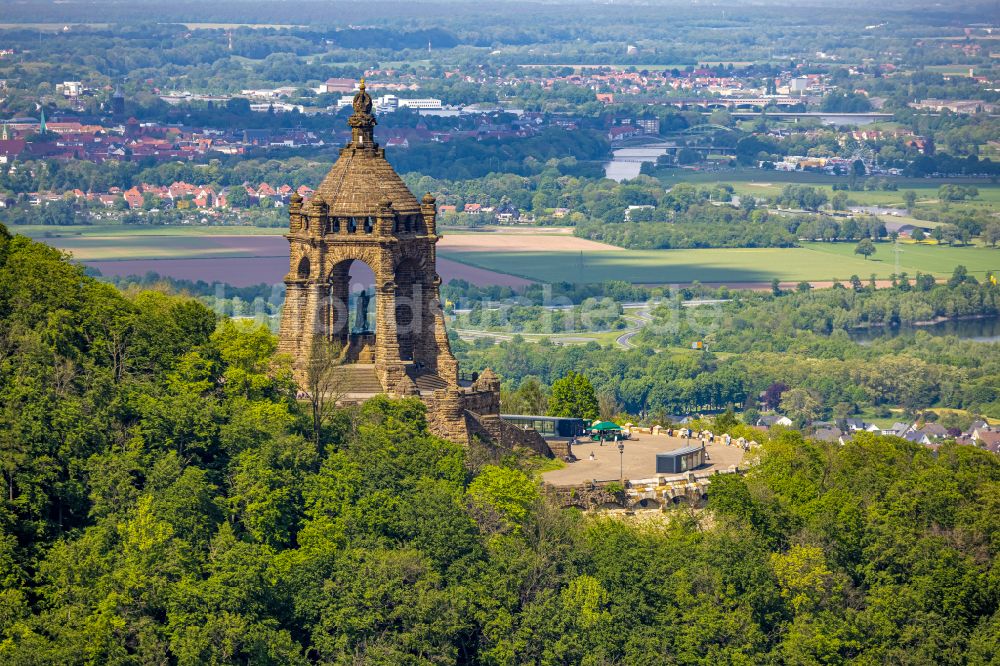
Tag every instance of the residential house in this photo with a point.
(854, 425)
(770, 420)
(917, 437)
(989, 441)
(508, 213)
(898, 429)
(108, 200)
(133, 197)
(473, 208)
(935, 430)
(832, 434)
(205, 198)
(257, 137)
(623, 132)
(979, 433)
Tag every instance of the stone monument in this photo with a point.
(362, 211)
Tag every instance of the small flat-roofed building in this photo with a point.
(548, 426)
(680, 460)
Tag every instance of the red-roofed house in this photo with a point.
(133, 197)
(205, 198)
(623, 132)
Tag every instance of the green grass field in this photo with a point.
(814, 262)
(934, 259)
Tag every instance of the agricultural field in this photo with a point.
(815, 262)
(505, 257)
(44, 232)
(240, 256)
(912, 257)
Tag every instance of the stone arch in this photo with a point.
(409, 306)
(342, 306)
(647, 503)
(302, 272)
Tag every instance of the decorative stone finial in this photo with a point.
(296, 199)
(385, 202)
(406, 387)
(487, 381)
(428, 199)
(362, 100)
(362, 122)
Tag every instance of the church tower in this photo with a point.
(118, 103)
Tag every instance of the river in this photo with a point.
(980, 330)
(626, 162)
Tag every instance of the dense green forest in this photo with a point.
(799, 339)
(165, 502)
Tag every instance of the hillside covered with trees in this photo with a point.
(164, 501)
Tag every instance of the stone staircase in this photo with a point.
(359, 379)
(429, 383)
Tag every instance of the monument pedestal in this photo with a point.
(361, 347)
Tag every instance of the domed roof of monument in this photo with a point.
(361, 178)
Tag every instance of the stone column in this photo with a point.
(447, 366)
(339, 327)
(291, 333)
(387, 363)
(429, 211)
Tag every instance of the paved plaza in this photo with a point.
(638, 459)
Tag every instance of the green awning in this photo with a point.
(605, 426)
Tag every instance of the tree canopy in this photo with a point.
(165, 500)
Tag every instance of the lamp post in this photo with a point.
(621, 460)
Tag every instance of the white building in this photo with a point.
(632, 209)
(799, 84)
(72, 88)
(277, 107)
(389, 103)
